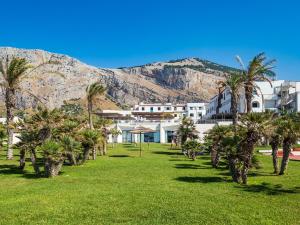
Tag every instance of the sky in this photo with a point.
(116, 33)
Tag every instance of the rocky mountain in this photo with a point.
(190, 79)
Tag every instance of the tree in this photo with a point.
(54, 157)
(115, 132)
(92, 91)
(72, 148)
(89, 141)
(230, 147)
(12, 72)
(234, 83)
(275, 143)
(192, 147)
(289, 130)
(187, 130)
(254, 125)
(259, 69)
(216, 134)
(102, 124)
(35, 130)
(2, 134)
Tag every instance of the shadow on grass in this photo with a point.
(201, 179)
(15, 170)
(166, 153)
(132, 147)
(190, 166)
(120, 156)
(269, 189)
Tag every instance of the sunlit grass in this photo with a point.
(161, 187)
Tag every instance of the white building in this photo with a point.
(193, 110)
(280, 95)
(164, 119)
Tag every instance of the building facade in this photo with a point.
(279, 95)
(164, 119)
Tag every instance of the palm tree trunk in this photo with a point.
(234, 170)
(213, 155)
(86, 153)
(248, 96)
(287, 146)
(71, 158)
(104, 147)
(248, 152)
(22, 159)
(53, 167)
(94, 152)
(234, 109)
(9, 104)
(274, 144)
(90, 109)
(33, 162)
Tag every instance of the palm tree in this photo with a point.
(216, 134)
(289, 130)
(2, 134)
(54, 157)
(114, 133)
(187, 130)
(230, 146)
(234, 83)
(71, 147)
(12, 72)
(192, 147)
(275, 143)
(259, 69)
(254, 125)
(92, 91)
(89, 141)
(102, 124)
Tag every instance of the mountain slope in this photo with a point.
(183, 80)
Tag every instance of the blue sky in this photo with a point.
(119, 33)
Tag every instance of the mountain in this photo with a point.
(184, 80)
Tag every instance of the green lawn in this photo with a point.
(162, 187)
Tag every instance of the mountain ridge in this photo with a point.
(181, 80)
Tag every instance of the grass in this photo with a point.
(162, 187)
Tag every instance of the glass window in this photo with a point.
(158, 108)
(255, 104)
(143, 108)
(191, 114)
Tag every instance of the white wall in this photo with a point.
(196, 111)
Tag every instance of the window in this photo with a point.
(175, 115)
(200, 114)
(158, 108)
(151, 109)
(183, 108)
(191, 114)
(175, 108)
(255, 104)
(200, 108)
(167, 108)
(191, 108)
(143, 108)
